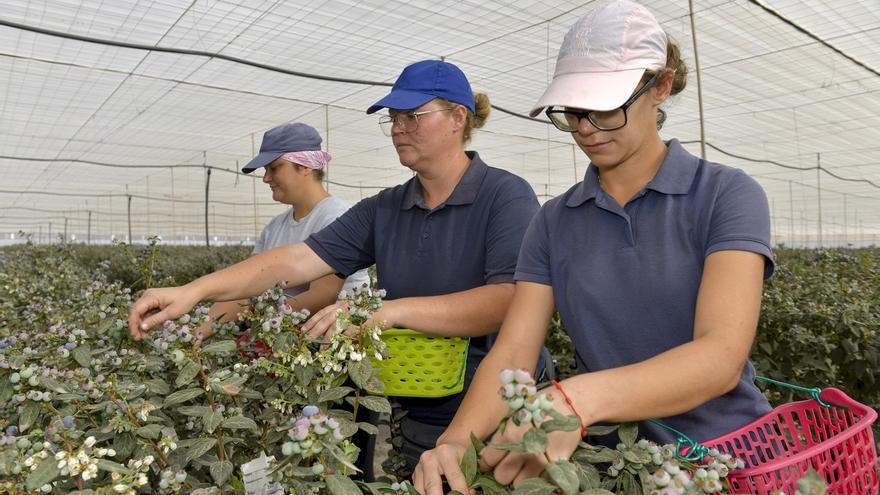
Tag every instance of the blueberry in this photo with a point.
(309, 411)
(67, 421)
(70, 346)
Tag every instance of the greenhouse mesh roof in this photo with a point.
(111, 104)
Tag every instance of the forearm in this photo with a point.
(469, 313)
(671, 383)
(322, 292)
(296, 264)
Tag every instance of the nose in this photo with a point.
(397, 128)
(585, 127)
(266, 176)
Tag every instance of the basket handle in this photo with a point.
(688, 449)
(463, 365)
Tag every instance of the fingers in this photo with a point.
(323, 323)
(155, 307)
(144, 306)
(434, 465)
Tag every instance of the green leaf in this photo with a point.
(340, 456)
(240, 423)
(565, 475)
(601, 430)
(46, 472)
(211, 420)
(490, 486)
(360, 373)
(28, 415)
(477, 443)
(220, 347)
(595, 455)
(193, 410)
(149, 431)
(535, 441)
(334, 394)
(510, 447)
(187, 373)
(597, 491)
(811, 483)
(82, 355)
(589, 476)
(637, 456)
(6, 391)
(565, 423)
(628, 433)
(341, 485)
(110, 466)
(66, 397)
(368, 427)
(469, 465)
(124, 445)
(534, 486)
(157, 386)
(182, 396)
(630, 485)
(199, 447)
(304, 375)
(378, 404)
(220, 471)
(375, 386)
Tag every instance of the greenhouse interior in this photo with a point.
(248, 247)
(121, 110)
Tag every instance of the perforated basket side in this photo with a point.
(784, 444)
(422, 365)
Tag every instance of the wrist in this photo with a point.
(561, 394)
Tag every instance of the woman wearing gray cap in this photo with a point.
(444, 243)
(294, 166)
(655, 263)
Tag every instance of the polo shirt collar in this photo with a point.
(465, 191)
(675, 176)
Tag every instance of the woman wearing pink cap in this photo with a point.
(294, 167)
(655, 262)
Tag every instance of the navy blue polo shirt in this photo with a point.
(625, 279)
(469, 241)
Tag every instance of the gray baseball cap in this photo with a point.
(284, 139)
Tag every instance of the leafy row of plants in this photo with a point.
(87, 410)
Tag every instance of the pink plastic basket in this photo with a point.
(781, 446)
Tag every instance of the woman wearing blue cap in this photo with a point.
(655, 262)
(294, 166)
(444, 243)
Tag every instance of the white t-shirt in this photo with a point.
(283, 230)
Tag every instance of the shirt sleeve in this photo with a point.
(347, 244)
(741, 220)
(534, 257)
(506, 229)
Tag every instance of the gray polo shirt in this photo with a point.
(625, 279)
(469, 241)
(283, 230)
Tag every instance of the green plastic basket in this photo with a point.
(421, 364)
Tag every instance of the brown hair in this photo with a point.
(679, 71)
(317, 174)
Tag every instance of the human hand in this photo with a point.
(515, 467)
(443, 461)
(322, 324)
(156, 306)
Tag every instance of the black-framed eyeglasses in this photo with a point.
(406, 121)
(568, 120)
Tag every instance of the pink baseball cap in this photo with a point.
(603, 57)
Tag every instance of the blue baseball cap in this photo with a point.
(284, 139)
(423, 81)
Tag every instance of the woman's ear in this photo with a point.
(459, 117)
(663, 87)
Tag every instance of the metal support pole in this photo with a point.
(207, 189)
(699, 81)
(89, 235)
(129, 220)
(819, 192)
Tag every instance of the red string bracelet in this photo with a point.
(571, 405)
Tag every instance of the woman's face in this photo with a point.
(285, 179)
(435, 134)
(611, 148)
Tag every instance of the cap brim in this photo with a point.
(261, 161)
(399, 99)
(589, 90)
